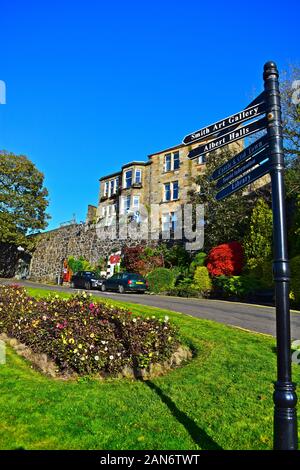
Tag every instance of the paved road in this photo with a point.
(252, 317)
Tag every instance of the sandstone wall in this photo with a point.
(73, 240)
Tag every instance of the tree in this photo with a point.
(258, 240)
(290, 94)
(23, 199)
(226, 259)
(225, 220)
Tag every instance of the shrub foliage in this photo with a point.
(161, 280)
(225, 260)
(82, 336)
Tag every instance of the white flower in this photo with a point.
(44, 317)
(111, 357)
(105, 349)
(119, 354)
(103, 342)
(166, 318)
(134, 320)
(96, 358)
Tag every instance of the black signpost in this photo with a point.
(262, 157)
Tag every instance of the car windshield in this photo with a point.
(91, 274)
(134, 277)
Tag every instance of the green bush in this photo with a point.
(161, 280)
(199, 260)
(202, 281)
(239, 286)
(184, 291)
(295, 281)
(263, 271)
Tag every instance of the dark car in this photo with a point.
(125, 282)
(86, 280)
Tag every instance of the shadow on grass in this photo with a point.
(197, 434)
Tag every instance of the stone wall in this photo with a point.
(73, 240)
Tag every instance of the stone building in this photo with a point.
(158, 186)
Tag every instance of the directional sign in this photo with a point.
(258, 158)
(240, 157)
(226, 124)
(237, 134)
(244, 181)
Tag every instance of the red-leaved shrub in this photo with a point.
(226, 259)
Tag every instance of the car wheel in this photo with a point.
(141, 292)
(103, 287)
(121, 289)
(87, 285)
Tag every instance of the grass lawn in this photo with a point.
(221, 400)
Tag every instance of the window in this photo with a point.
(128, 178)
(111, 187)
(138, 176)
(117, 181)
(105, 189)
(165, 222)
(167, 195)
(171, 191)
(175, 160)
(168, 160)
(201, 159)
(175, 194)
(136, 202)
(126, 204)
(172, 161)
(173, 217)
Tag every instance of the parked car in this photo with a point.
(125, 282)
(86, 280)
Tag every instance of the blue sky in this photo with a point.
(92, 85)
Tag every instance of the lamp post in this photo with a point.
(285, 398)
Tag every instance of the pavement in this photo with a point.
(251, 317)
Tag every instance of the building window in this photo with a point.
(172, 161)
(167, 195)
(138, 176)
(175, 190)
(117, 181)
(105, 192)
(201, 159)
(111, 187)
(136, 202)
(173, 217)
(165, 222)
(168, 161)
(175, 160)
(128, 178)
(126, 204)
(171, 191)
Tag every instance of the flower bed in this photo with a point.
(85, 337)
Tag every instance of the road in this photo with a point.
(251, 317)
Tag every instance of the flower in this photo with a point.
(96, 358)
(134, 320)
(166, 318)
(80, 346)
(92, 335)
(111, 357)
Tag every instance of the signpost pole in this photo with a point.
(285, 398)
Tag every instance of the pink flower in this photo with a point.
(91, 306)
